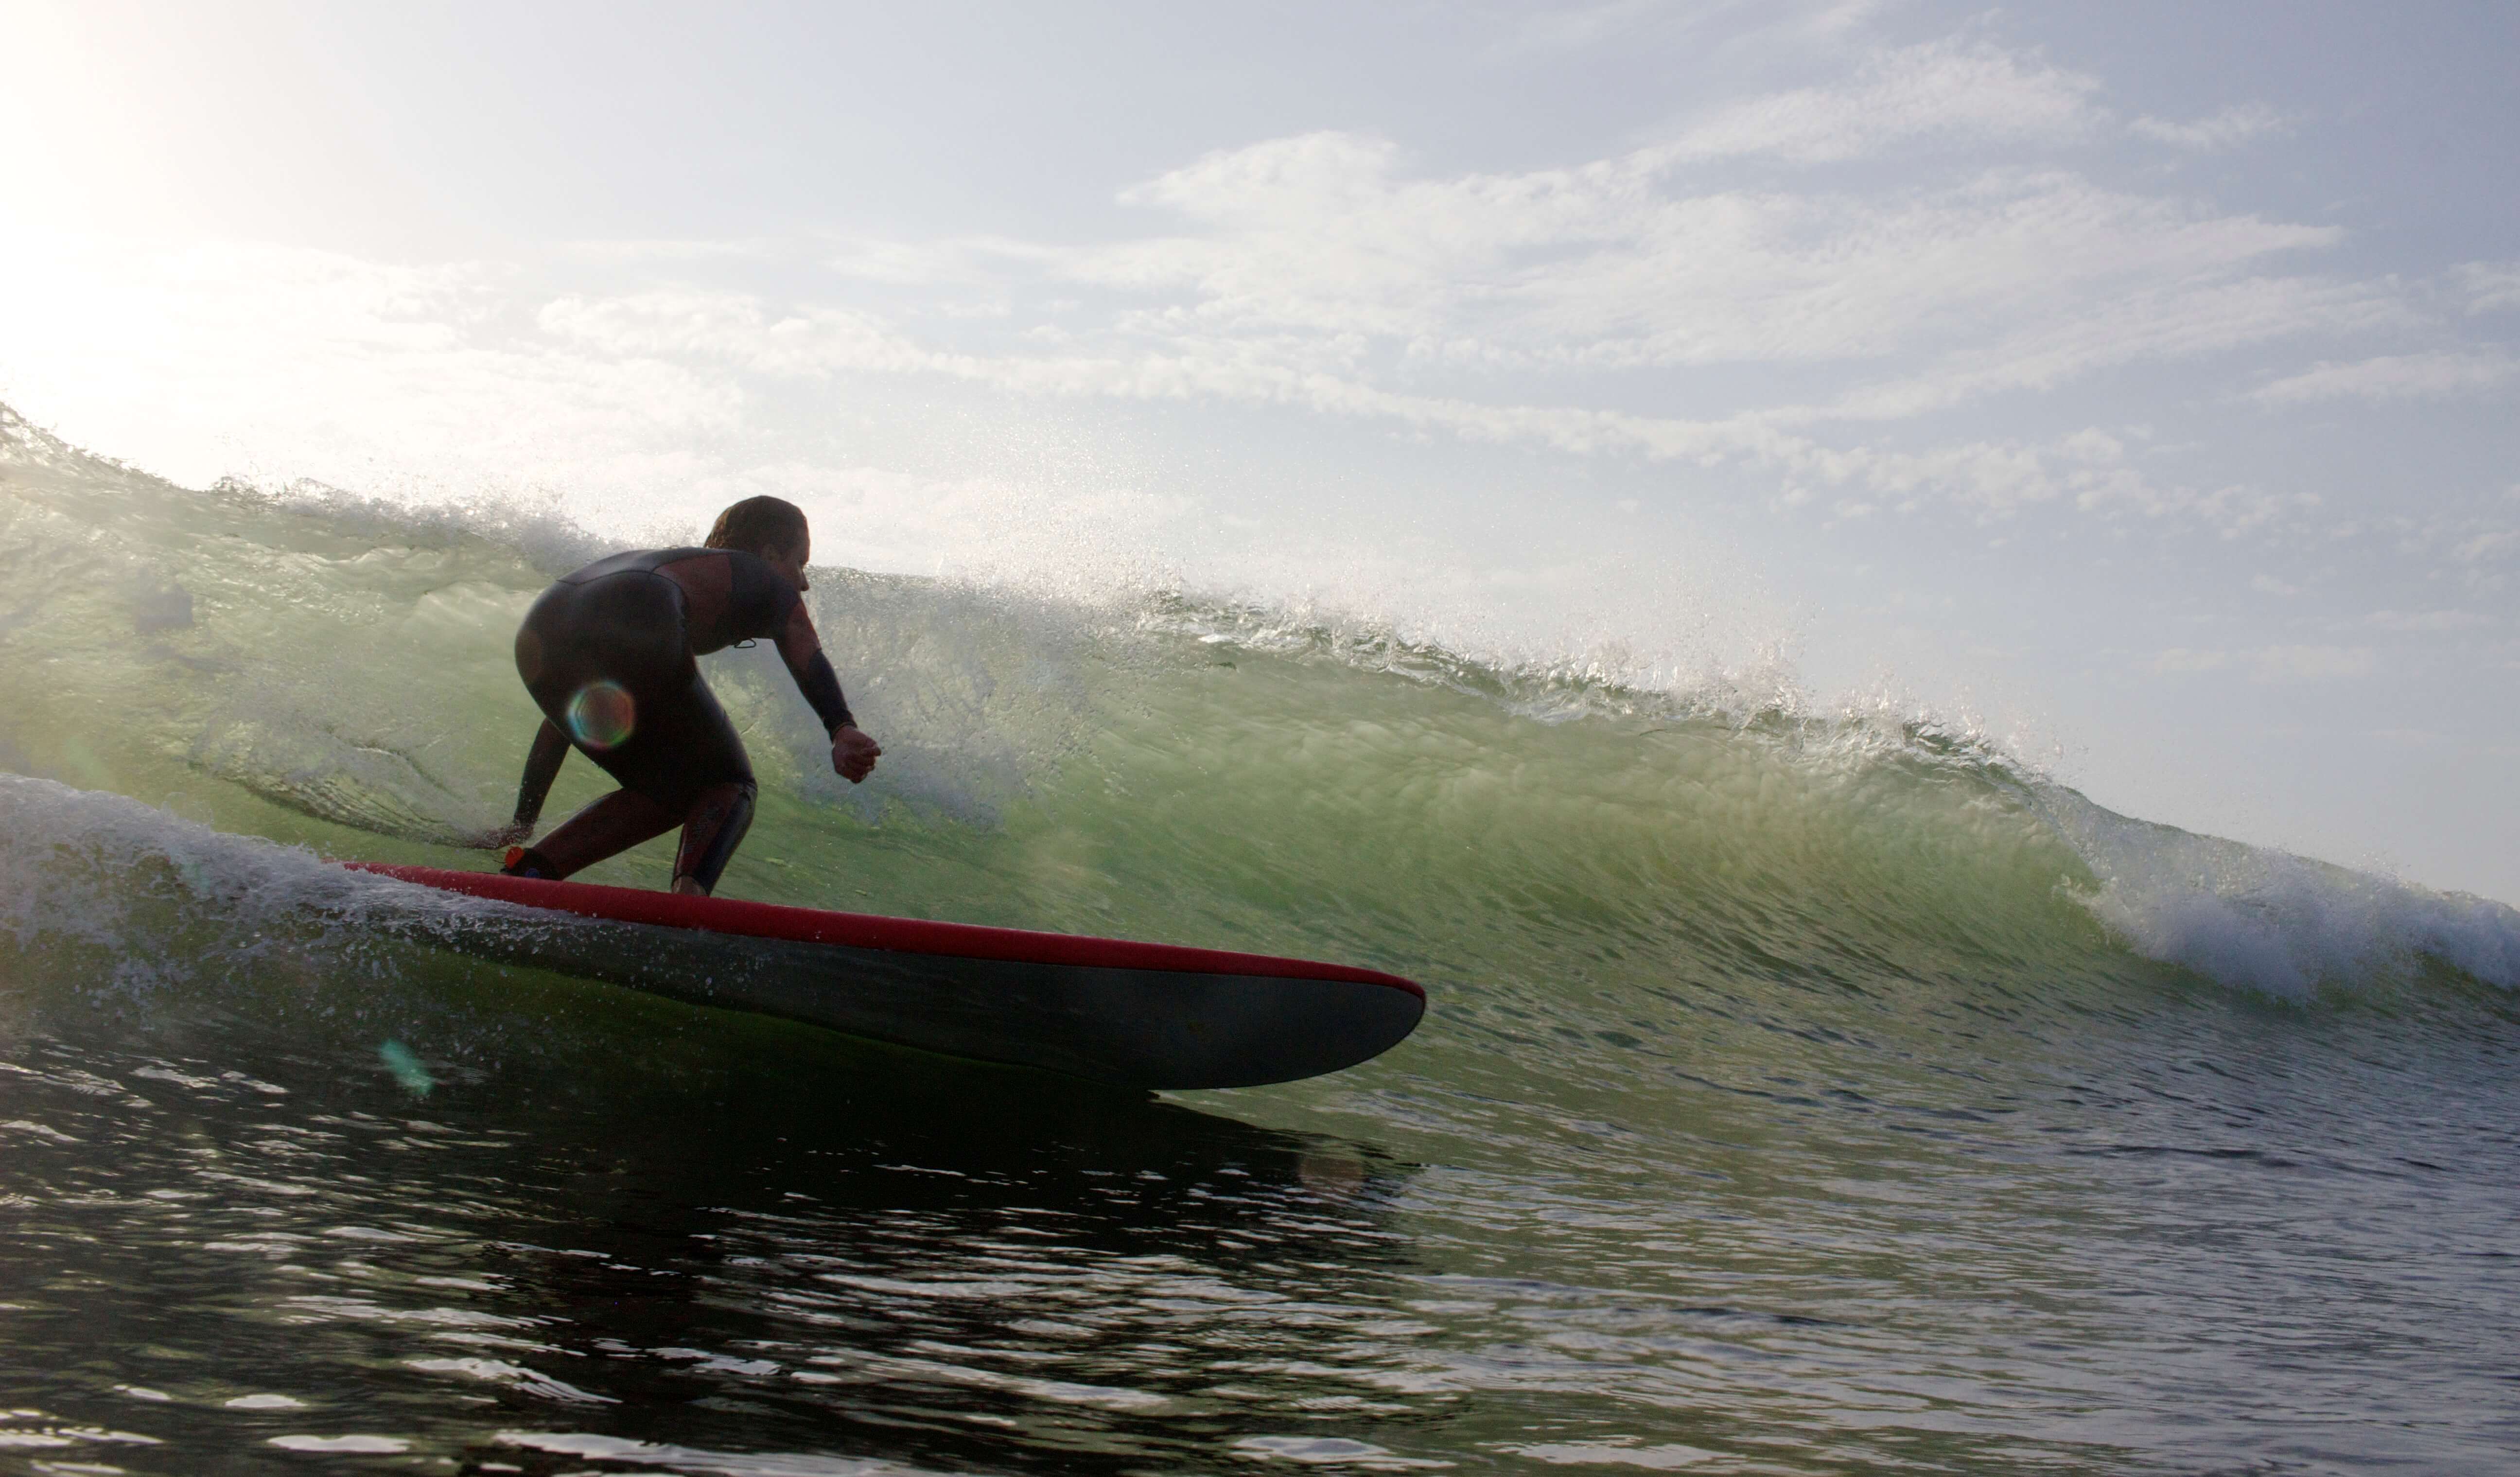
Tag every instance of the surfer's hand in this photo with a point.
(853, 753)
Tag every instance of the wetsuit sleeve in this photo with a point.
(802, 651)
(822, 689)
(542, 765)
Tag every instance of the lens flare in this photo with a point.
(601, 714)
(406, 1067)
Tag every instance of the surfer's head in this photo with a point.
(770, 528)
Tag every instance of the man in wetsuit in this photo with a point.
(607, 654)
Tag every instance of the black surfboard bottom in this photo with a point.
(1154, 1029)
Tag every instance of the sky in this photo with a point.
(2132, 385)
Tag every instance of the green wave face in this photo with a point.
(309, 667)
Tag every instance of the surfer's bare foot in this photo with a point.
(690, 887)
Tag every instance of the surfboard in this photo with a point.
(1125, 1014)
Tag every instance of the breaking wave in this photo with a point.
(206, 679)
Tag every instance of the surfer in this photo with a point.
(607, 654)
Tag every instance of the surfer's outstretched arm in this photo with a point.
(542, 765)
(853, 753)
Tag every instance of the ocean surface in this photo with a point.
(1801, 1093)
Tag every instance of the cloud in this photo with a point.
(674, 251)
(2487, 546)
(1993, 479)
(732, 328)
(1951, 89)
(2306, 664)
(1324, 281)
(1320, 271)
(2274, 665)
(2443, 373)
(1604, 266)
(2228, 129)
(2412, 622)
(1606, 307)
(1574, 27)
(1325, 250)
(2187, 660)
(962, 261)
(2491, 286)
(2477, 549)
(1831, 19)
(2183, 319)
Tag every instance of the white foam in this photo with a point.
(68, 859)
(538, 529)
(2268, 920)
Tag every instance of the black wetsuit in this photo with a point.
(608, 651)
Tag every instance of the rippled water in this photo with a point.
(761, 1249)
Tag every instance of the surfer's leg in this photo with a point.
(611, 825)
(710, 760)
(719, 818)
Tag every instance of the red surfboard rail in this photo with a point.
(866, 930)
